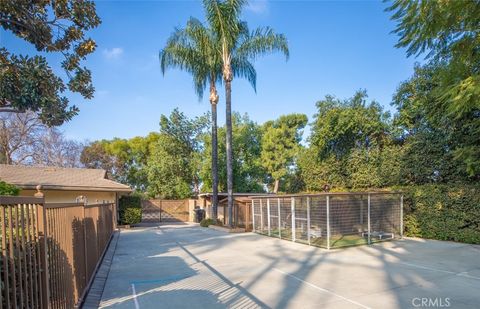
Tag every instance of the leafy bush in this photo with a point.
(132, 216)
(443, 212)
(130, 208)
(207, 222)
(8, 189)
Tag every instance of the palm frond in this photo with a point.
(193, 49)
(262, 41)
(243, 68)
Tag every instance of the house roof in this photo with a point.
(58, 178)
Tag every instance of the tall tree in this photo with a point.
(54, 149)
(173, 166)
(125, 160)
(19, 136)
(347, 145)
(193, 49)
(448, 34)
(237, 44)
(249, 174)
(24, 139)
(28, 83)
(428, 136)
(281, 145)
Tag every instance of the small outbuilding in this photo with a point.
(64, 185)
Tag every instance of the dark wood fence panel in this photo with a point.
(157, 210)
(240, 211)
(50, 252)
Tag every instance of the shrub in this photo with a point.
(443, 212)
(132, 215)
(207, 222)
(130, 209)
(8, 189)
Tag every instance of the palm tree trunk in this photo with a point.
(228, 106)
(214, 162)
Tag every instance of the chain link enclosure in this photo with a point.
(330, 220)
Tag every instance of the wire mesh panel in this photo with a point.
(347, 220)
(286, 218)
(318, 221)
(301, 220)
(274, 217)
(385, 219)
(264, 217)
(256, 216)
(330, 220)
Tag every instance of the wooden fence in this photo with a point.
(156, 210)
(241, 213)
(50, 251)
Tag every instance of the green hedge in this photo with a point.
(8, 189)
(130, 208)
(443, 212)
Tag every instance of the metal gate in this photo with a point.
(165, 210)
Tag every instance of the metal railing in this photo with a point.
(330, 220)
(50, 251)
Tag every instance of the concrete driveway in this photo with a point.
(185, 266)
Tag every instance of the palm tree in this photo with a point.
(237, 43)
(193, 49)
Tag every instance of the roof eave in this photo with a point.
(72, 188)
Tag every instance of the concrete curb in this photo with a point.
(226, 229)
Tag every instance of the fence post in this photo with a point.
(268, 215)
(308, 219)
(85, 246)
(361, 211)
(42, 237)
(401, 216)
(160, 210)
(368, 214)
(253, 216)
(328, 222)
(261, 216)
(279, 220)
(294, 236)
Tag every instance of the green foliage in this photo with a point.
(207, 222)
(28, 83)
(172, 169)
(430, 138)
(130, 209)
(342, 126)
(132, 216)
(350, 146)
(194, 49)
(249, 175)
(281, 145)
(125, 160)
(237, 45)
(448, 32)
(8, 189)
(443, 212)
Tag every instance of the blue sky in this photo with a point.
(335, 48)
